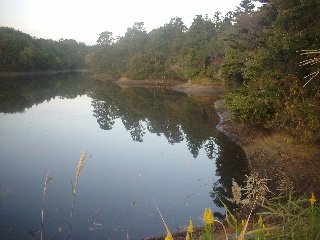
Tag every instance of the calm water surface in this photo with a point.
(144, 146)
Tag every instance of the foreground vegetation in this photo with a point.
(258, 213)
(259, 216)
(82, 162)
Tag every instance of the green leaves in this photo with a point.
(20, 52)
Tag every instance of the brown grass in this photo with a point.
(81, 163)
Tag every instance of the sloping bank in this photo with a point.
(274, 155)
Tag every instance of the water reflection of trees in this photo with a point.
(174, 115)
(20, 93)
(179, 118)
(104, 113)
(163, 112)
(159, 111)
(230, 164)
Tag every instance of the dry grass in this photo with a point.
(81, 163)
(169, 235)
(46, 182)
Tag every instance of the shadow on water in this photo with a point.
(160, 111)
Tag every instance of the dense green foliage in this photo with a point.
(21, 52)
(262, 67)
(171, 51)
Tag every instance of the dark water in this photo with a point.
(146, 146)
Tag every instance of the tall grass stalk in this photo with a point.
(290, 217)
(46, 182)
(81, 163)
(169, 235)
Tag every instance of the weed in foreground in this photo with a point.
(189, 231)
(282, 217)
(46, 182)
(297, 217)
(81, 163)
(207, 232)
(169, 235)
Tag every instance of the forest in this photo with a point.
(268, 59)
(22, 53)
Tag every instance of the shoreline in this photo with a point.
(270, 154)
(50, 72)
(274, 155)
(176, 85)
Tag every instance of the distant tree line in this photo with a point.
(268, 59)
(20, 52)
(171, 51)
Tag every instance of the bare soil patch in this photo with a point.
(126, 83)
(197, 89)
(177, 85)
(275, 155)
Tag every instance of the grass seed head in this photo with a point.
(256, 188)
(81, 163)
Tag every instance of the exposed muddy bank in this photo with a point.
(176, 85)
(197, 89)
(274, 155)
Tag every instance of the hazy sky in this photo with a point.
(83, 20)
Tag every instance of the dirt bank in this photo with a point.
(177, 85)
(126, 82)
(274, 155)
(199, 90)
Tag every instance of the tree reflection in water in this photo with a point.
(160, 111)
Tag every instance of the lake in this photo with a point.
(146, 147)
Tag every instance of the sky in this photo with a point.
(84, 20)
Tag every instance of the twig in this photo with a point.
(48, 178)
(169, 236)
